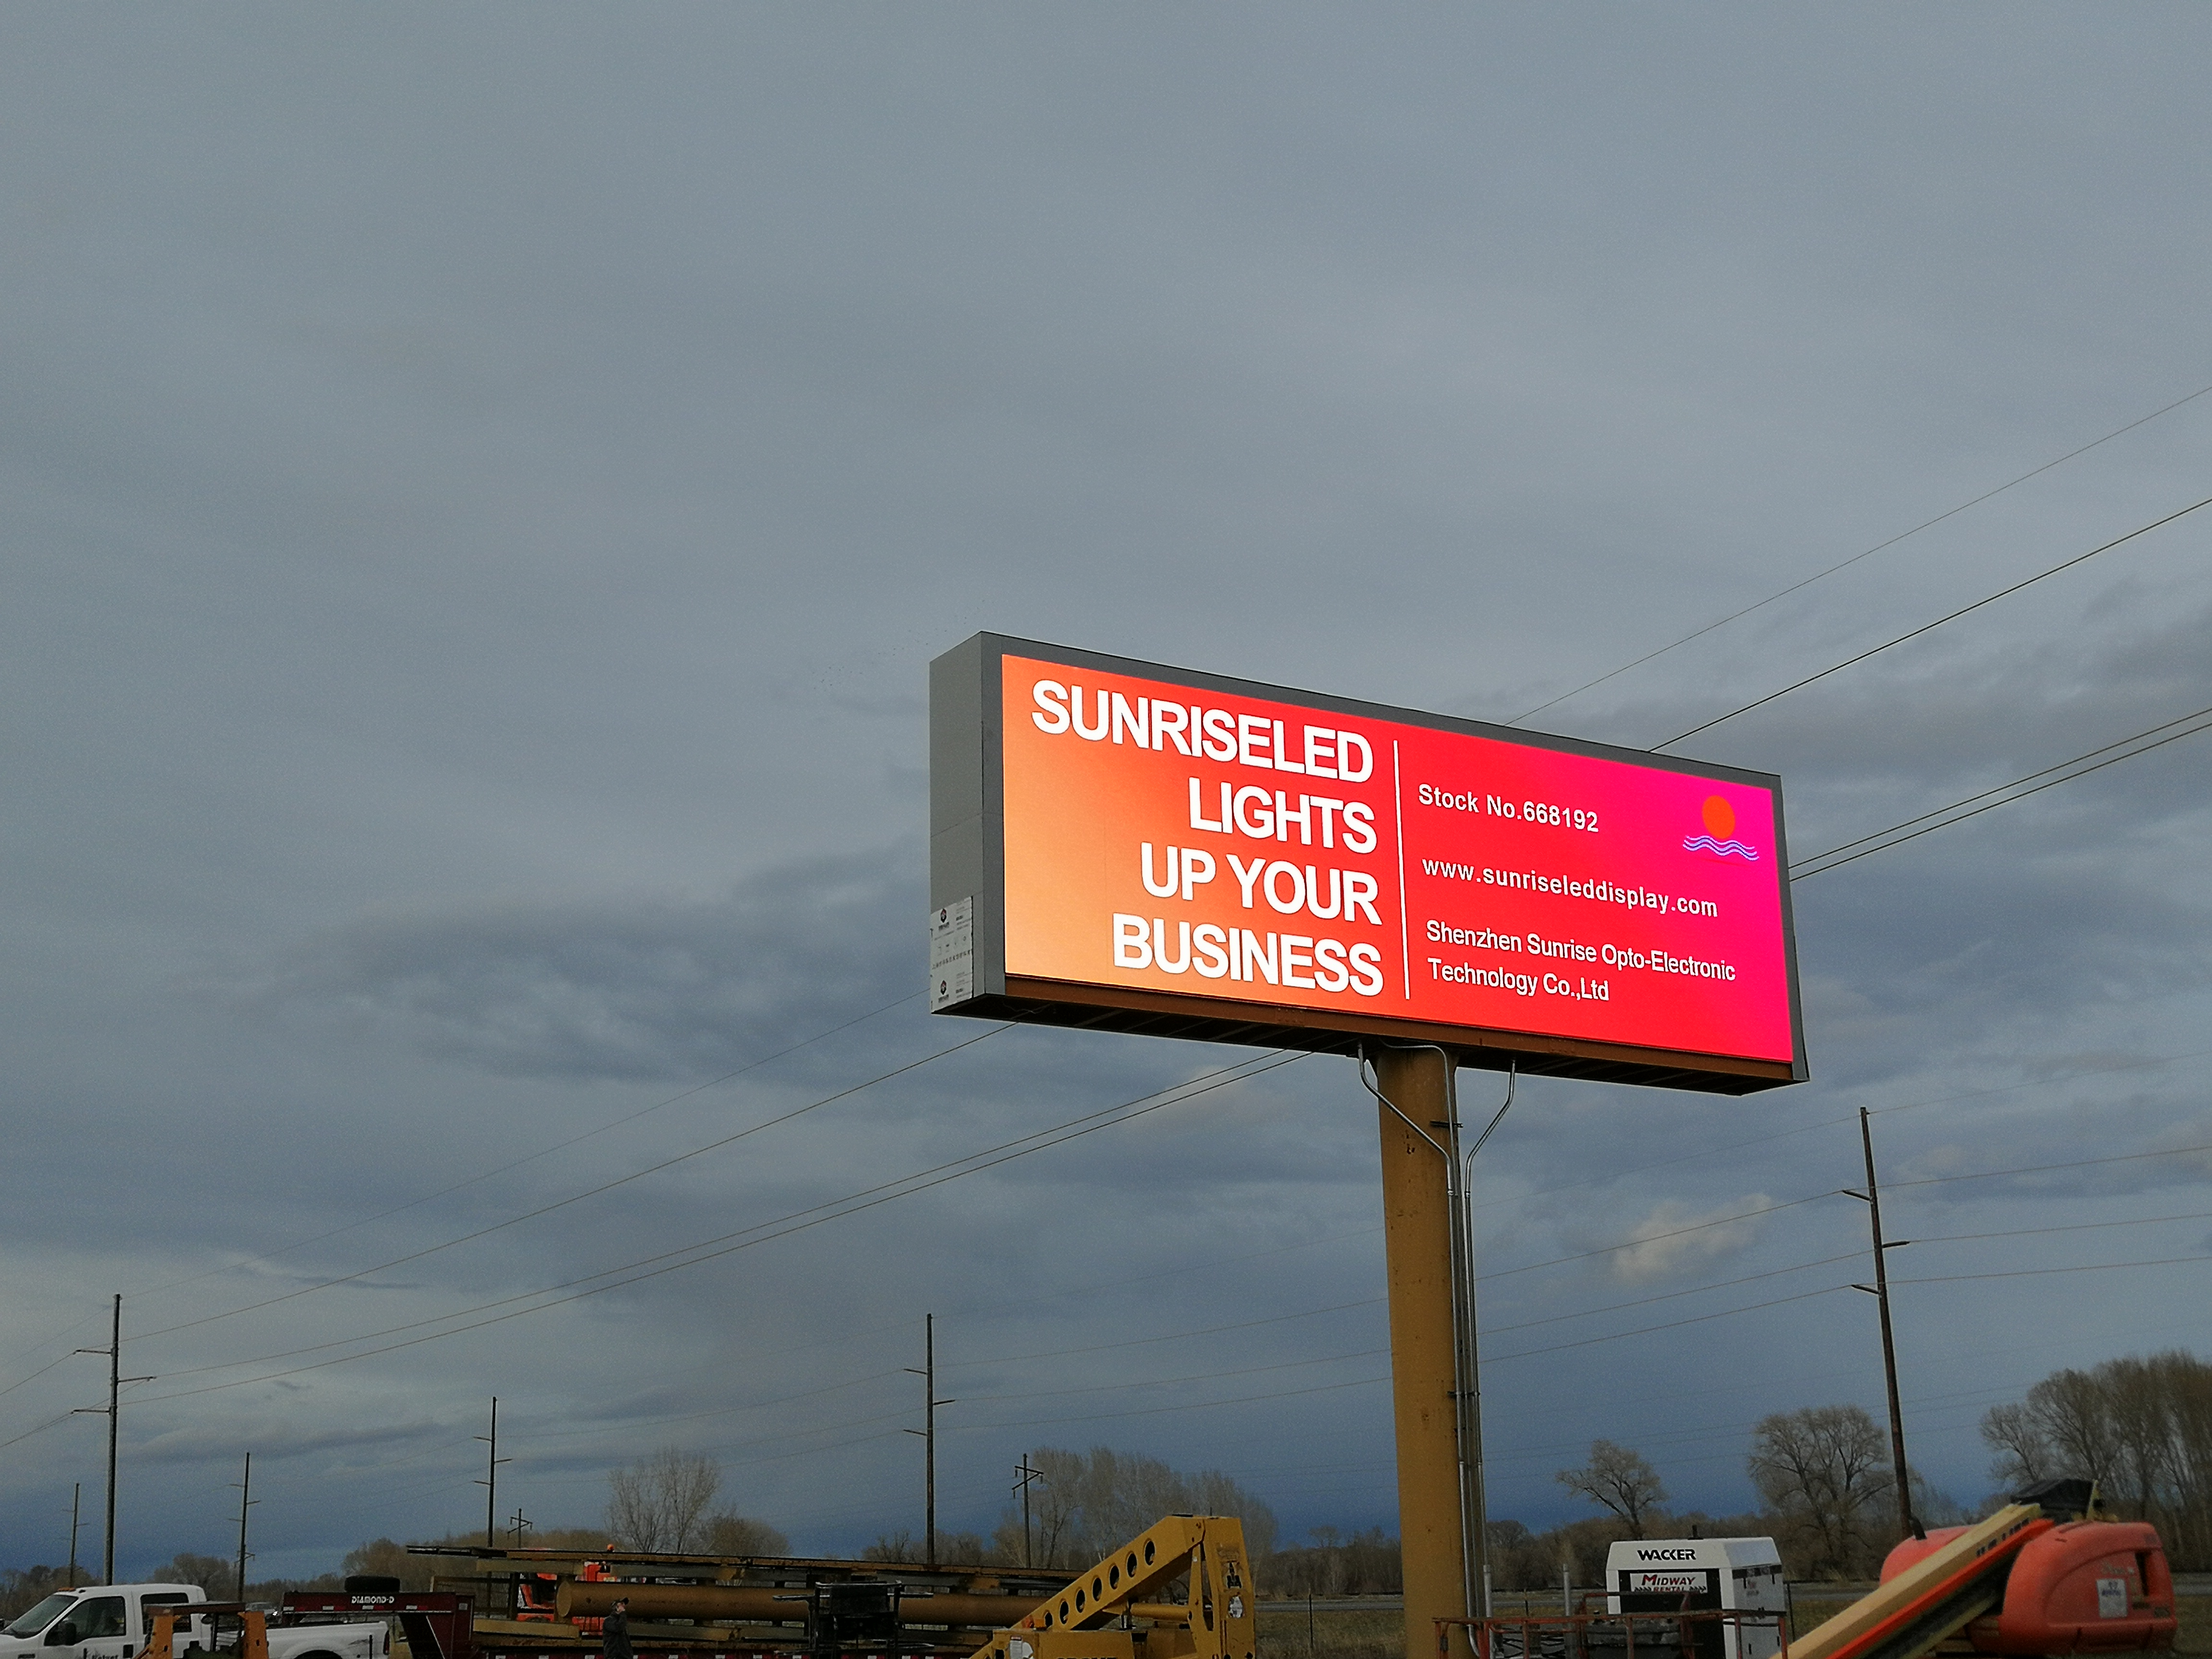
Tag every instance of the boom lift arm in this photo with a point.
(1106, 1613)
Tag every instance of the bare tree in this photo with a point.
(1825, 1468)
(1620, 1479)
(659, 1502)
(2139, 1428)
(739, 1535)
(2074, 1410)
(1086, 1504)
(2023, 1454)
(967, 1549)
(211, 1572)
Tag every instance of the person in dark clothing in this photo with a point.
(614, 1640)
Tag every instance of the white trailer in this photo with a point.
(1693, 1575)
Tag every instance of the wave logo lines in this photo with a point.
(1719, 838)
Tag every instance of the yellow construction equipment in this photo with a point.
(1108, 1612)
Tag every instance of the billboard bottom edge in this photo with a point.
(1051, 1002)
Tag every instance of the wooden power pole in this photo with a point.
(1880, 1291)
(490, 1482)
(927, 1373)
(113, 1413)
(246, 1500)
(1024, 1477)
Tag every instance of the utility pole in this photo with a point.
(115, 1382)
(518, 1525)
(1880, 1291)
(1025, 1475)
(77, 1497)
(930, 1403)
(490, 1482)
(246, 1500)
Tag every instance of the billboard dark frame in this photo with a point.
(967, 861)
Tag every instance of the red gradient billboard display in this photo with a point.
(1256, 858)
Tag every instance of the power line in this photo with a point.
(43, 1370)
(1642, 1301)
(1359, 1383)
(1158, 1411)
(50, 1423)
(717, 1410)
(529, 1157)
(1139, 1382)
(1672, 1324)
(1165, 1097)
(1905, 1106)
(2068, 564)
(1173, 1336)
(1882, 840)
(710, 1249)
(2070, 1227)
(2040, 1272)
(589, 1191)
(1672, 1295)
(2044, 1168)
(1173, 1382)
(1552, 1319)
(1772, 1209)
(1819, 575)
(1654, 1238)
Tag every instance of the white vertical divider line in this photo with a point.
(1398, 805)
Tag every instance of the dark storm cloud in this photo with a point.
(199, 1442)
(657, 989)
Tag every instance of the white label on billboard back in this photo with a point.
(952, 955)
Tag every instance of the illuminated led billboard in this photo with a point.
(1140, 848)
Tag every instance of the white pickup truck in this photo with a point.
(113, 1622)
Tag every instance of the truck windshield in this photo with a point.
(40, 1616)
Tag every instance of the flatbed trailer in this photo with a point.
(546, 1603)
(1181, 1589)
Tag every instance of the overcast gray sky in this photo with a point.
(484, 487)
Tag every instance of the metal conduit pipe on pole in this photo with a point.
(1469, 1278)
(1466, 1392)
(1431, 1339)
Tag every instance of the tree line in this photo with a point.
(2139, 1427)
(1081, 1504)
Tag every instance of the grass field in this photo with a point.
(1376, 1633)
(1379, 1632)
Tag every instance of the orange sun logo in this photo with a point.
(1719, 839)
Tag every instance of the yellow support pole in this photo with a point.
(1418, 1244)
